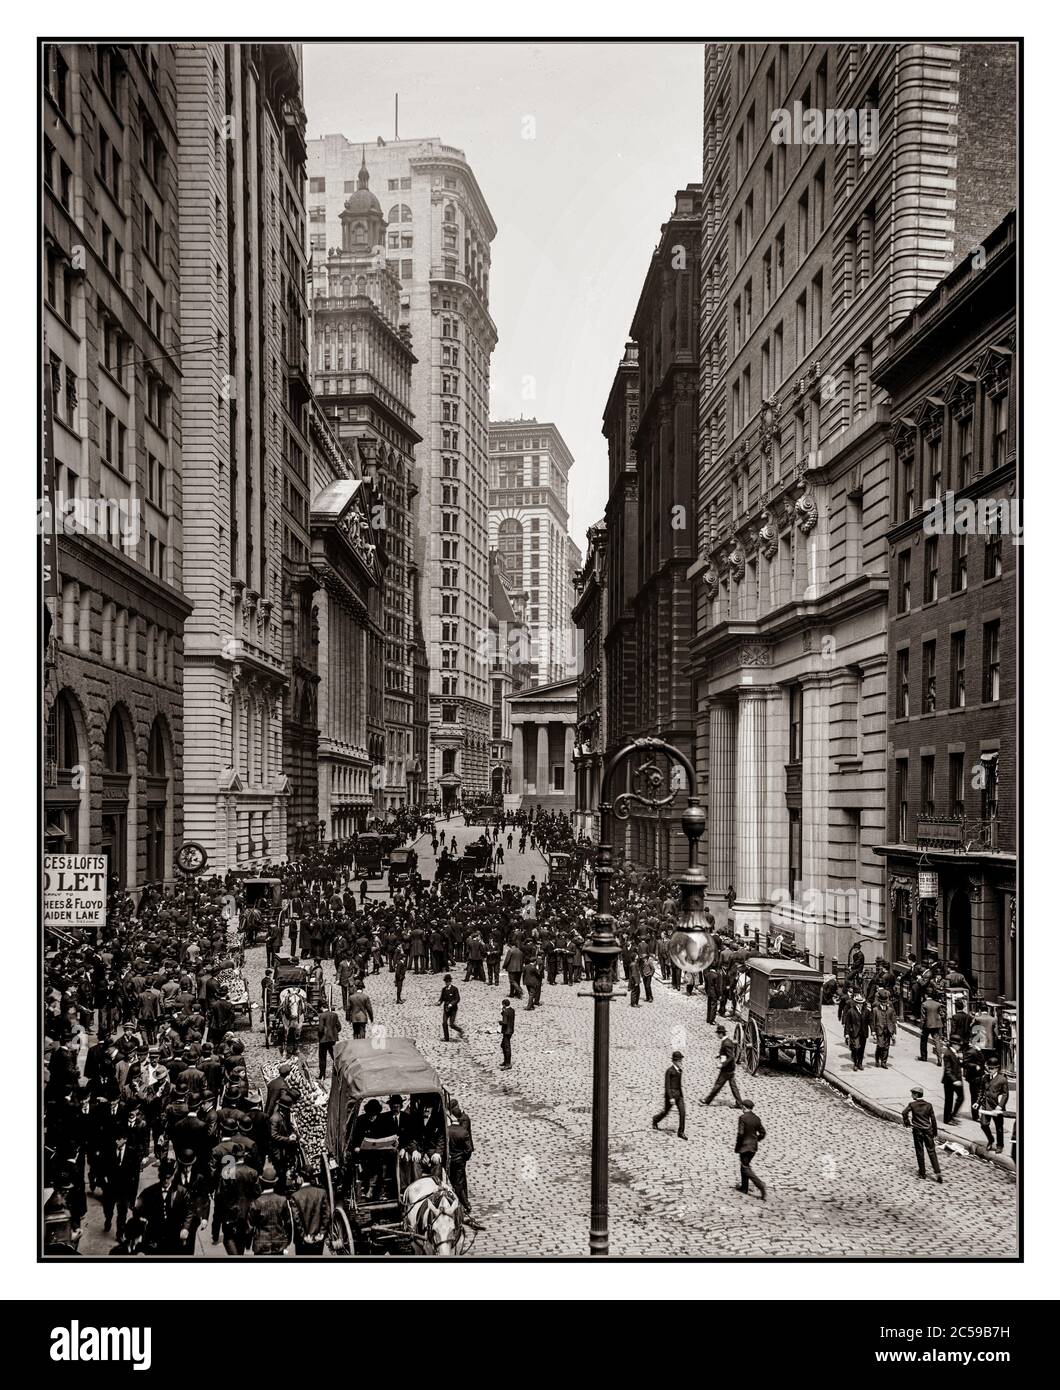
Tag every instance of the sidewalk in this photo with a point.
(885, 1091)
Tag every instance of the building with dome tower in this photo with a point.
(438, 230)
(362, 376)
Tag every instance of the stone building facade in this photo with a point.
(952, 373)
(817, 241)
(111, 315)
(439, 230)
(362, 373)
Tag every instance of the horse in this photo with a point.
(292, 1016)
(434, 1219)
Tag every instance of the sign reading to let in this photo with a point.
(75, 890)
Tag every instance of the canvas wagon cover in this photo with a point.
(374, 1067)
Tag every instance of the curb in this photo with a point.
(884, 1112)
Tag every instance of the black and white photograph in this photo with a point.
(527, 526)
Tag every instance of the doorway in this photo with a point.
(961, 932)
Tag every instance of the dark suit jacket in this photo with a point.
(749, 1130)
(673, 1088)
(121, 1177)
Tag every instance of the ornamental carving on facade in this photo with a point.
(901, 883)
(768, 426)
(768, 536)
(711, 582)
(995, 371)
(805, 512)
(737, 561)
(753, 654)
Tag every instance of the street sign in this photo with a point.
(75, 890)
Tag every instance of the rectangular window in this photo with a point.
(965, 438)
(901, 799)
(956, 784)
(999, 429)
(927, 785)
(992, 549)
(991, 662)
(901, 708)
(794, 851)
(800, 327)
(957, 673)
(816, 308)
(795, 725)
(905, 587)
(933, 467)
(960, 562)
(804, 224)
(931, 569)
(927, 679)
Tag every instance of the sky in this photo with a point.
(578, 150)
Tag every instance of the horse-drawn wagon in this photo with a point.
(292, 1005)
(370, 854)
(385, 1167)
(402, 866)
(778, 1008)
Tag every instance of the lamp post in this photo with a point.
(691, 945)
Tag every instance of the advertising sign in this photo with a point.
(75, 890)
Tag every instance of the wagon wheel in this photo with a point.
(754, 1046)
(324, 1167)
(738, 1040)
(820, 1057)
(340, 1234)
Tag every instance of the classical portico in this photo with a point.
(543, 728)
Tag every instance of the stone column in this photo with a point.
(816, 877)
(720, 796)
(518, 786)
(542, 760)
(751, 795)
(568, 758)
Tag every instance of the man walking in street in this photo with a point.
(919, 1115)
(856, 1021)
(750, 1131)
(952, 1081)
(507, 1029)
(647, 970)
(673, 1095)
(399, 969)
(993, 1102)
(930, 1026)
(450, 1002)
(359, 1010)
(461, 1147)
(329, 1029)
(884, 1026)
(513, 966)
(727, 1071)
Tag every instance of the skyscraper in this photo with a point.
(438, 234)
(529, 468)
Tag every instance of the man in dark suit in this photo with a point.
(120, 1174)
(329, 1029)
(952, 1081)
(673, 1095)
(727, 1071)
(919, 1115)
(856, 1022)
(750, 1131)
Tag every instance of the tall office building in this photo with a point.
(438, 234)
(529, 468)
(841, 182)
(114, 349)
(246, 448)
(362, 374)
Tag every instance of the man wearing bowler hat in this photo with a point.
(673, 1095)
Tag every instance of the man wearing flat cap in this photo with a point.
(919, 1116)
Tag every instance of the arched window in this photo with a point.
(115, 823)
(157, 804)
(65, 778)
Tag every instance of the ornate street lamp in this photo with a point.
(691, 945)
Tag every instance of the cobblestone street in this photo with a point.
(841, 1182)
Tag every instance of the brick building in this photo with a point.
(666, 330)
(621, 414)
(590, 616)
(952, 793)
(111, 275)
(822, 230)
